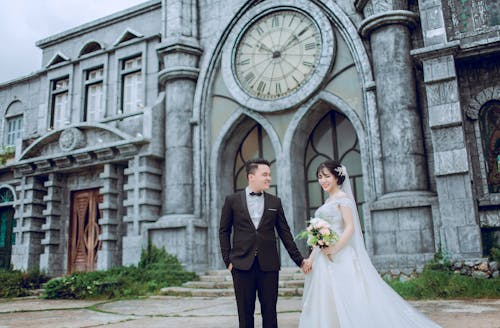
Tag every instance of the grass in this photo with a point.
(433, 284)
(156, 269)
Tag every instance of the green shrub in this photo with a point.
(15, 283)
(156, 269)
(433, 284)
(495, 254)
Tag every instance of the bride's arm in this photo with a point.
(346, 235)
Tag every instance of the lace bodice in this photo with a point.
(330, 212)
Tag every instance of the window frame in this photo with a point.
(124, 72)
(54, 92)
(87, 84)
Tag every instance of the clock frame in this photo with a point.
(277, 55)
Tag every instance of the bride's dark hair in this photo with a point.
(334, 168)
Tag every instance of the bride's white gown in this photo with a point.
(348, 291)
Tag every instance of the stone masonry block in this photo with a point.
(451, 162)
(448, 139)
(408, 242)
(442, 93)
(469, 239)
(456, 186)
(384, 243)
(415, 218)
(451, 240)
(437, 69)
(385, 221)
(444, 115)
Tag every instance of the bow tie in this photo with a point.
(256, 193)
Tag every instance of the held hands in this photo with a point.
(306, 266)
(230, 267)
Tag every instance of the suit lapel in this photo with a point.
(266, 205)
(245, 207)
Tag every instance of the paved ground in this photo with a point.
(197, 312)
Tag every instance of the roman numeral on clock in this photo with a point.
(249, 77)
(310, 46)
(244, 62)
(261, 86)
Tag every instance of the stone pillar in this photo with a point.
(109, 254)
(403, 155)
(460, 234)
(30, 218)
(51, 261)
(143, 202)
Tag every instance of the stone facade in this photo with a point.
(410, 77)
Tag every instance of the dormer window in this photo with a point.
(129, 34)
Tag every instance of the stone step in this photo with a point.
(208, 284)
(229, 284)
(184, 291)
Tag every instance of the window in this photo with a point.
(132, 90)
(489, 124)
(59, 113)
(14, 129)
(256, 144)
(94, 97)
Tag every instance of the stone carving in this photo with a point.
(71, 138)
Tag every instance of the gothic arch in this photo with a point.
(301, 126)
(221, 164)
(472, 112)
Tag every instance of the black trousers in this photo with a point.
(248, 283)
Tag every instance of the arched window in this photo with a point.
(14, 123)
(256, 144)
(489, 125)
(90, 47)
(333, 137)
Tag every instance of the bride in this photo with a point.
(344, 289)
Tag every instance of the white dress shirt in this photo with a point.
(255, 206)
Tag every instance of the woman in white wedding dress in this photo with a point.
(344, 289)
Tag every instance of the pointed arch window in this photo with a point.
(255, 144)
(489, 125)
(333, 137)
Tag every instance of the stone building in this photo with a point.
(138, 124)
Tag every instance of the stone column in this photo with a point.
(29, 233)
(143, 202)
(403, 155)
(460, 234)
(109, 255)
(180, 52)
(51, 261)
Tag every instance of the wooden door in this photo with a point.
(83, 239)
(6, 225)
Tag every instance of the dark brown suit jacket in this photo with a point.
(248, 241)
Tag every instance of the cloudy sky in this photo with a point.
(23, 22)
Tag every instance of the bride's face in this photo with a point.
(327, 180)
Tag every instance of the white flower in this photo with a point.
(340, 171)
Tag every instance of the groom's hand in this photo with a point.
(306, 266)
(230, 267)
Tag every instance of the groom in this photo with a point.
(253, 216)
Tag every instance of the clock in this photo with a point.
(280, 56)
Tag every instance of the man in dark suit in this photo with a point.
(253, 216)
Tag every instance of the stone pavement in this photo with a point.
(206, 312)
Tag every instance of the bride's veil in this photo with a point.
(375, 288)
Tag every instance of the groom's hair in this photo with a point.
(252, 165)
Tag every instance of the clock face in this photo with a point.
(277, 54)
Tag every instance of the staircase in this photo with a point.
(220, 283)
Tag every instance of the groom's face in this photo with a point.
(260, 179)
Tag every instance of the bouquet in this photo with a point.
(319, 233)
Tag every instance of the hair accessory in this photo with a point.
(340, 170)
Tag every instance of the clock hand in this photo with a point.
(264, 47)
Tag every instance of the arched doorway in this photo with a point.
(333, 137)
(7, 225)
